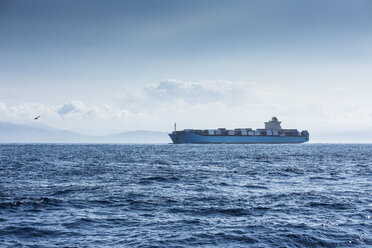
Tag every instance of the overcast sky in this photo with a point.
(109, 66)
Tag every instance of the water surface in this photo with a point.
(186, 195)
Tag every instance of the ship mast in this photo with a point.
(175, 127)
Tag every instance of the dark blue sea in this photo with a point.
(310, 195)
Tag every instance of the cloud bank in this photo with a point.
(208, 104)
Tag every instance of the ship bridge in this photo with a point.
(273, 124)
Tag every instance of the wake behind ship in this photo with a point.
(271, 134)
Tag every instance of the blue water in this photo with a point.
(316, 195)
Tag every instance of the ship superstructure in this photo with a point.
(273, 133)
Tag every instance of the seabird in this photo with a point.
(37, 117)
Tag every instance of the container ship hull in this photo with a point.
(192, 138)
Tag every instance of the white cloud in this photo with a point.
(204, 105)
(71, 107)
(73, 115)
(175, 92)
(232, 104)
(77, 109)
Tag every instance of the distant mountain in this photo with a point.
(17, 133)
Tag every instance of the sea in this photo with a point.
(164, 195)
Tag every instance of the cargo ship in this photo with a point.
(273, 133)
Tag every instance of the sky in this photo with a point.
(100, 67)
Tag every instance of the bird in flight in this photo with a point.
(37, 117)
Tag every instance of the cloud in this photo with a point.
(208, 103)
(23, 111)
(77, 109)
(74, 115)
(68, 108)
(172, 90)
(239, 104)
(202, 105)
(152, 106)
(183, 93)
